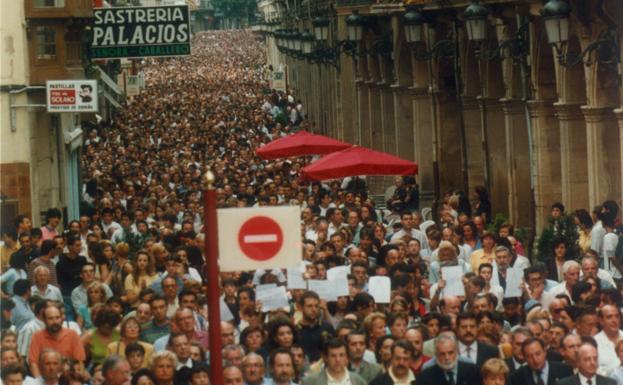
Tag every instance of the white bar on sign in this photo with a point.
(260, 238)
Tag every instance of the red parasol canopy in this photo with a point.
(356, 161)
(299, 144)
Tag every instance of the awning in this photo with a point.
(109, 82)
(111, 99)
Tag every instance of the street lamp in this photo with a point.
(476, 21)
(296, 38)
(556, 15)
(414, 23)
(354, 25)
(307, 40)
(321, 28)
(604, 50)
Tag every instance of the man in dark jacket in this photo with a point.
(448, 370)
(399, 370)
(538, 370)
(588, 363)
(470, 349)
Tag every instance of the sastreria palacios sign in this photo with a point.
(136, 32)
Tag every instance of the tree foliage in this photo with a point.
(563, 228)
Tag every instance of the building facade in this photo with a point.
(44, 40)
(534, 122)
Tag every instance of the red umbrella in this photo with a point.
(299, 144)
(356, 161)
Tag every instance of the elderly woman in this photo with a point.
(163, 367)
(494, 372)
(130, 332)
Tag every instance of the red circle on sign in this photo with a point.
(260, 238)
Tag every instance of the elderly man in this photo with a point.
(253, 370)
(116, 371)
(590, 268)
(185, 322)
(49, 361)
(587, 369)
(517, 360)
(571, 276)
(48, 252)
(42, 286)
(233, 354)
(448, 369)
(232, 375)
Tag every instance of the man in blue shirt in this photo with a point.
(22, 313)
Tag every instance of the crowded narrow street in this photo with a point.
(313, 192)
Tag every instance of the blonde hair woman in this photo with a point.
(494, 372)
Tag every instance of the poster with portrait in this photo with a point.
(71, 95)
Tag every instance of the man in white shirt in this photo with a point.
(608, 247)
(590, 268)
(50, 366)
(406, 218)
(42, 287)
(571, 275)
(607, 338)
(25, 334)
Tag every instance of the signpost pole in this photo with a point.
(210, 228)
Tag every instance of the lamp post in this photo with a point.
(354, 27)
(604, 50)
(321, 29)
(414, 23)
(476, 21)
(210, 228)
(416, 28)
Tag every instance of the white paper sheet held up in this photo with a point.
(325, 289)
(273, 298)
(513, 282)
(453, 275)
(338, 271)
(226, 314)
(295, 279)
(380, 288)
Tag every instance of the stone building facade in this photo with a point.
(511, 112)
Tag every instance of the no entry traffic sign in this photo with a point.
(259, 238)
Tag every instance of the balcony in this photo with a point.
(351, 3)
(58, 9)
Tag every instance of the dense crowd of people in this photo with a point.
(382, 296)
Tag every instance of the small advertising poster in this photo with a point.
(71, 95)
(133, 86)
(279, 81)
